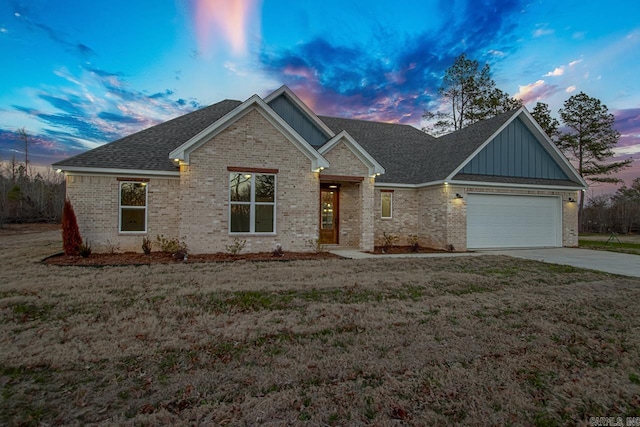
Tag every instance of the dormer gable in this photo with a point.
(300, 117)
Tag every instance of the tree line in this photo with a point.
(30, 195)
(585, 134)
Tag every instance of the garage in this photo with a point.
(509, 221)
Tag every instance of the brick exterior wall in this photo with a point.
(95, 202)
(440, 219)
(251, 142)
(356, 216)
(195, 207)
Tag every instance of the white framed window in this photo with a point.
(252, 202)
(133, 207)
(386, 202)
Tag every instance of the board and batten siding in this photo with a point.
(299, 121)
(515, 152)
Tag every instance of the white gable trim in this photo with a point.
(375, 168)
(284, 90)
(540, 135)
(254, 103)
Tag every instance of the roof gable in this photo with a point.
(374, 167)
(182, 152)
(148, 150)
(300, 117)
(402, 150)
(536, 133)
(515, 152)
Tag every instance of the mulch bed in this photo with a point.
(136, 258)
(406, 250)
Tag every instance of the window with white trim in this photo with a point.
(252, 202)
(133, 207)
(386, 201)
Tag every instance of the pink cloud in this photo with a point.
(535, 91)
(229, 20)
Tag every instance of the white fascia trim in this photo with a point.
(255, 102)
(284, 89)
(478, 184)
(399, 185)
(77, 170)
(506, 184)
(366, 158)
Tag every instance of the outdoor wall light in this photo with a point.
(458, 196)
(571, 200)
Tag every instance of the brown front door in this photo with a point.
(329, 215)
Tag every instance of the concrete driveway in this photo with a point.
(609, 262)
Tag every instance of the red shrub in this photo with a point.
(71, 238)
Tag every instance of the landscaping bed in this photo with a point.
(136, 258)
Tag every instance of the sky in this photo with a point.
(77, 74)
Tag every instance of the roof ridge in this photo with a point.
(369, 121)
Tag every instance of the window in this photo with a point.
(133, 207)
(386, 199)
(252, 200)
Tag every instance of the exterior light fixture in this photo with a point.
(446, 183)
(458, 196)
(571, 200)
(333, 186)
(58, 170)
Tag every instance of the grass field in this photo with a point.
(629, 244)
(476, 341)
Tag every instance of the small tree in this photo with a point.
(71, 239)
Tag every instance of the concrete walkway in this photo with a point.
(608, 262)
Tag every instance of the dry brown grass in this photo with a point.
(475, 341)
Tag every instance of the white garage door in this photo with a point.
(498, 221)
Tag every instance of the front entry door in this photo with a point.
(329, 215)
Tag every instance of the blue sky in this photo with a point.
(77, 74)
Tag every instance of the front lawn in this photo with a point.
(611, 246)
(470, 340)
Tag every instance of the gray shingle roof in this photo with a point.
(149, 149)
(401, 149)
(408, 155)
(411, 156)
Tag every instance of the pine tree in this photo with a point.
(589, 139)
(470, 95)
(549, 124)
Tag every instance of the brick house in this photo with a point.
(272, 172)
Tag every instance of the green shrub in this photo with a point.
(388, 240)
(316, 245)
(170, 246)
(236, 247)
(84, 249)
(412, 239)
(146, 245)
